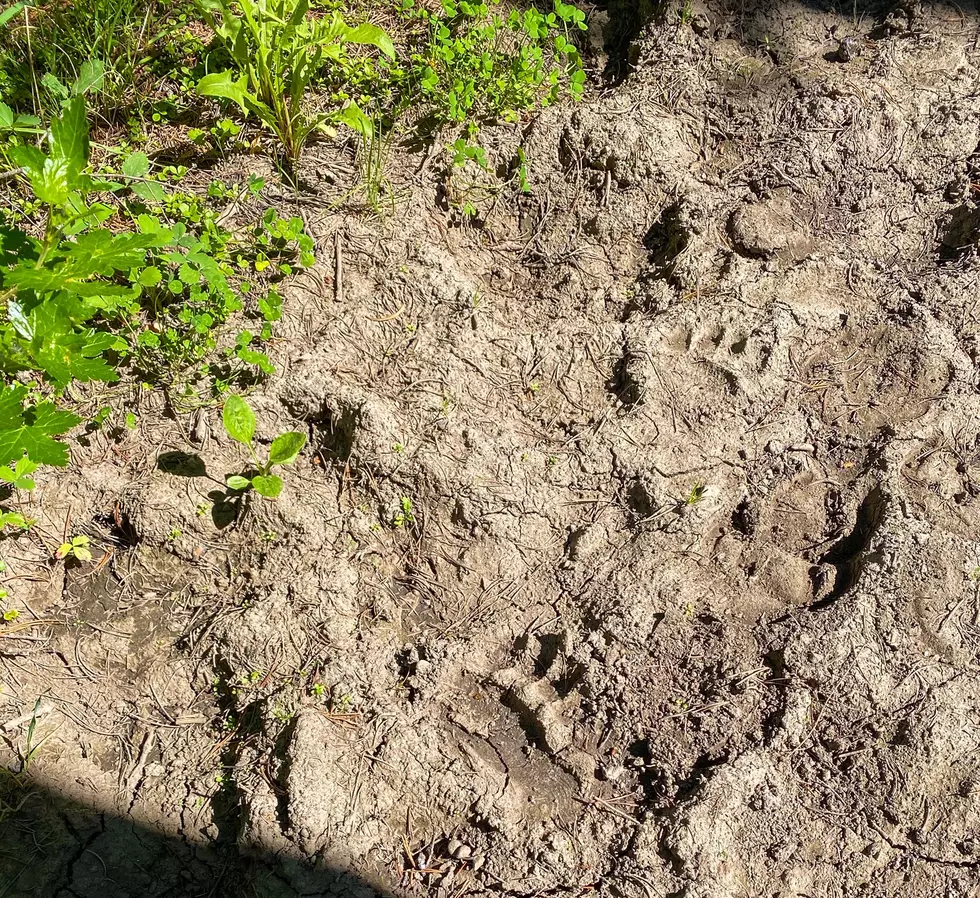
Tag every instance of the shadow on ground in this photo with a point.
(51, 847)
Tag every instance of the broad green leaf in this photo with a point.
(136, 165)
(150, 277)
(18, 474)
(103, 252)
(32, 432)
(239, 420)
(14, 519)
(29, 158)
(51, 82)
(222, 84)
(151, 191)
(96, 252)
(352, 116)
(259, 359)
(286, 447)
(299, 13)
(69, 140)
(65, 353)
(6, 116)
(89, 77)
(237, 482)
(18, 319)
(269, 485)
(11, 11)
(373, 36)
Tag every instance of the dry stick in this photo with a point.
(338, 270)
(26, 625)
(44, 708)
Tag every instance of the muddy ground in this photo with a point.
(686, 601)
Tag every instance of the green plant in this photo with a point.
(62, 291)
(18, 474)
(17, 123)
(48, 48)
(77, 547)
(277, 50)
(188, 304)
(374, 150)
(222, 135)
(15, 519)
(32, 747)
(697, 493)
(30, 429)
(405, 515)
(82, 299)
(479, 66)
(239, 421)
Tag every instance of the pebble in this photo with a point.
(478, 861)
(848, 49)
(463, 852)
(454, 846)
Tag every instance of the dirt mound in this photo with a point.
(636, 550)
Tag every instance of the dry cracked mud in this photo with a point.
(637, 548)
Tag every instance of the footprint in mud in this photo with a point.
(838, 569)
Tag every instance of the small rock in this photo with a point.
(478, 861)
(463, 852)
(919, 836)
(848, 49)
(454, 846)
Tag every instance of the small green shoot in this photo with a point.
(17, 475)
(15, 519)
(697, 493)
(77, 547)
(405, 516)
(32, 748)
(239, 421)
